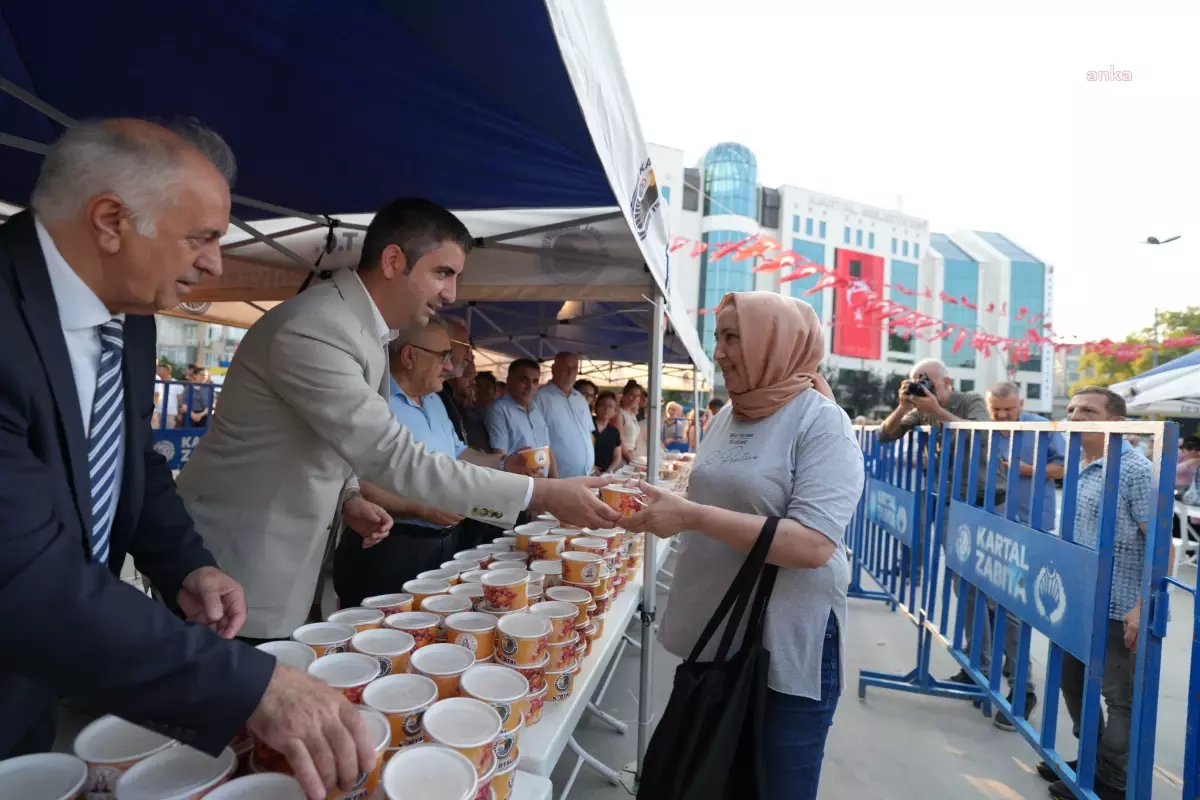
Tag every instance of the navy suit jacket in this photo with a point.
(70, 627)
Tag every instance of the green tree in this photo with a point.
(1096, 369)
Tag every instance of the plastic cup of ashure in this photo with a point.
(562, 616)
(536, 459)
(547, 546)
(47, 776)
(420, 589)
(177, 773)
(473, 630)
(380, 733)
(503, 780)
(527, 531)
(581, 567)
(506, 589)
(263, 786)
(110, 746)
(421, 625)
(459, 566)
(521, 639)
(473, 591)
(589, 544)
(429, 772)
(580, 598)
(444, 664)
(296, 655)
(549, 569)
(403, 699)
(480, 557)
(612, 538)
(474, 576)
(502, 688)
(623, 499)
(359, 618)
(510, 557)
(349, 673)
(443, 605)
(390, 603)
(469, 726)
(325, 638)
(391, 648)
(450, 576)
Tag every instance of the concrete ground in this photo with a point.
(896, 746)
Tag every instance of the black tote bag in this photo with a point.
(708, 743)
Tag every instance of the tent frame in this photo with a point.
(654, 411)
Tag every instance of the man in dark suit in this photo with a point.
(126, 217)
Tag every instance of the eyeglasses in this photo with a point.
(444, 355)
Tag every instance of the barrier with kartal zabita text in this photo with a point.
(936, 533)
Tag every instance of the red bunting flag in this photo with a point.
(928, 293)
(698, 248)
(991, 308)
(905, 290)
(761, 247)
(678, 242)
(968, 303)
(945, 298)
(1021, 312)
(729, 247)
(958, 340)
(802, 272)
(1035, 318)
(826, 282)
(944, 333)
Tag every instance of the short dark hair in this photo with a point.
(1112, 401)
(1191, 443)
(416, 226)
(579, 384)
(486, 377)
(716, 404)
(524, 363)
(605, 395)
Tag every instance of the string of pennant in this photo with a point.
(870, 308)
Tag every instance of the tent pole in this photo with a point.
(291, 255)
(553, 226)
(650, 559)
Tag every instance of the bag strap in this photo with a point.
(758, 613)
(740, 590)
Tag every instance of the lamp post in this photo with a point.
(1154, 351)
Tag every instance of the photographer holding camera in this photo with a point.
(928, 398)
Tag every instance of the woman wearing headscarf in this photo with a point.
(781, 448)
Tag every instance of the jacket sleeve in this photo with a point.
(87, 635)
(319, 373)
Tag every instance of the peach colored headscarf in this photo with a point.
(781, 348)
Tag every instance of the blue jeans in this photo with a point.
(796, 729)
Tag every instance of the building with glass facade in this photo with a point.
(979, 280)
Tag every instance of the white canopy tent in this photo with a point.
(1171, 389)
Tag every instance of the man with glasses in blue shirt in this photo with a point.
(422, 537)
(1004, 404)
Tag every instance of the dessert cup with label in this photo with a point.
(429, 772)
(625, 500)
(521, 639)
(110, 746)
(508, 589)
(502, 688)
(391, 648)
(560, 684)
(450, 576)
(420, 589)
(380, 733)
(581, 567)
(325, 638)
(469, 726)
(565, 654)
(474, 591)
(263, 786)
(421, 625)
(52, 776)
(389, 603)
(473, 630)
(537, 701)
(589, 544)
(177, 773)
(547, 547)
(443, 605)
(349, 673)
(579, 597)
(444, 664)
(359, 618)
(403, 699)
(562, 616)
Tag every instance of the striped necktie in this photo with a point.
(104, 436)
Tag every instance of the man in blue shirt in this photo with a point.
(568, 418)
(514, 421)
(422, 537)
(1004, 404)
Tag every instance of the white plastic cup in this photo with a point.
(110, 746)
(293, 654)
(177, 773)
(264, 786)
(429, 772)
(47, 776)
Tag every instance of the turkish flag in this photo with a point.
(855, 334)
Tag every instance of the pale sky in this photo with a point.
(978, 121)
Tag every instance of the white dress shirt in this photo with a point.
(387, 335)
(80, 313)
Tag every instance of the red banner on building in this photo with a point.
(855, 333)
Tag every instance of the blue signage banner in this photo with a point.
(176, 444)
(893, 509)
(1039, 578)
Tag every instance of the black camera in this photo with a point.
(921, 387)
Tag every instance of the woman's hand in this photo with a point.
(665, 513)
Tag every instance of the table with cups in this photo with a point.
(470, 679)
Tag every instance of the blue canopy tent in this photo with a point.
(520, 107)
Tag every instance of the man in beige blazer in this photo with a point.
(302, 413)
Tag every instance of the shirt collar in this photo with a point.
(78, 306)
(382, 330)
(406, 397)
(1126, 447)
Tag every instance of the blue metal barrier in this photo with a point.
(1058, 585)
(175, 435)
